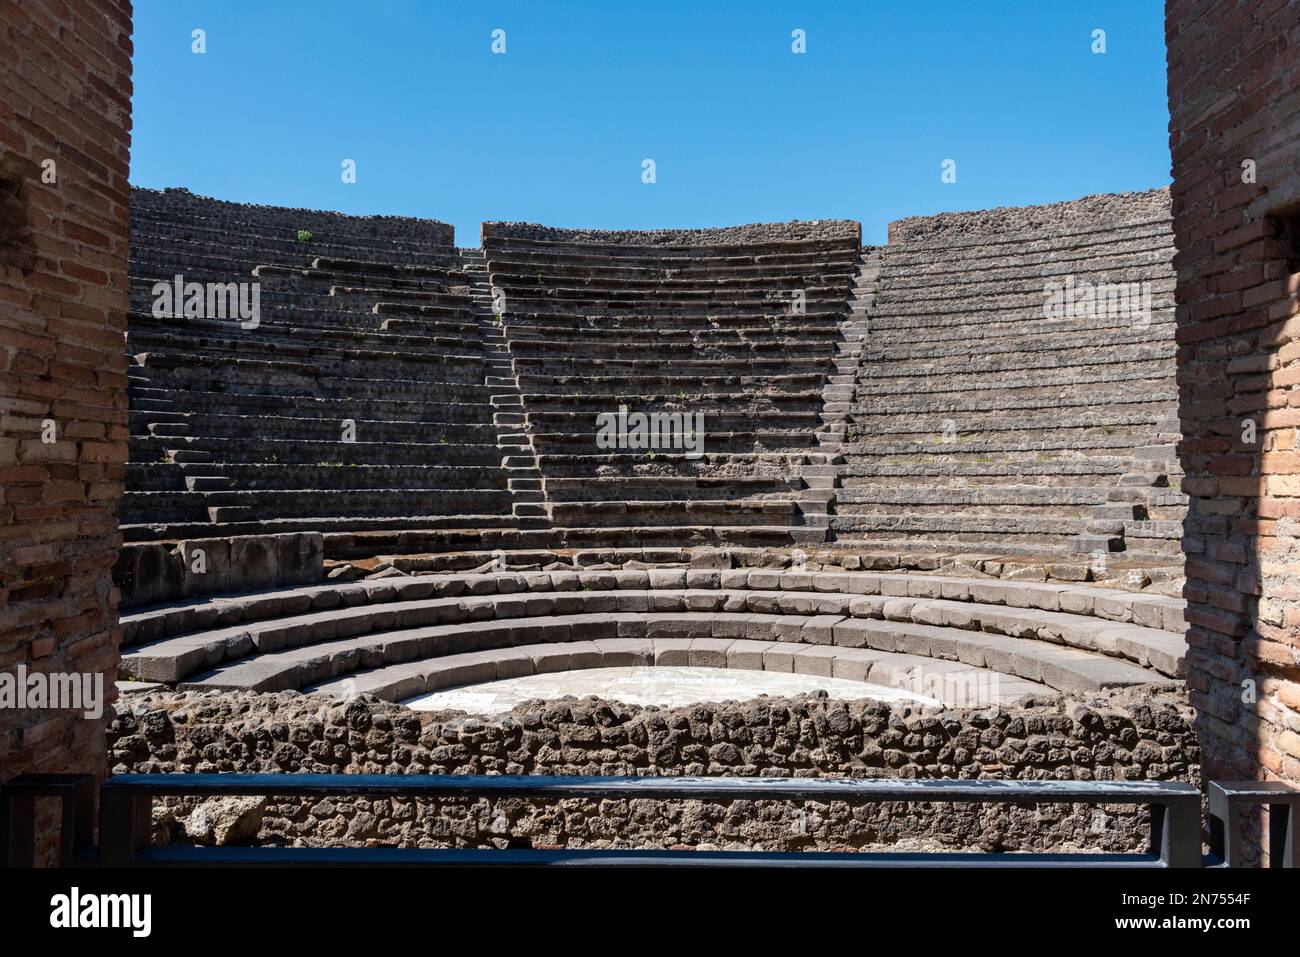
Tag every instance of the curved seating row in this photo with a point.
(395, 635)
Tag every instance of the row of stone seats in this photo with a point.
(406, 636)
(560, 268)
(433, 540)
(331, 304)
(323, 415)
(676, 322)
(215, 258)
(981, 422)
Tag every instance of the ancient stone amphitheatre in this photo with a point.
(944, 466)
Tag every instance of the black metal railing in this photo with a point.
(76, 796)
(126, 803)
(1227, 806)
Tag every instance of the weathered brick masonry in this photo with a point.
(65, 89)
(1234, 98)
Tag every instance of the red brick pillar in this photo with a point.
(65, 117)
(1234, 100)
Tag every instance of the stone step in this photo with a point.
(343, 533)
(169, 429)
(291, 451)
(190, 455)
(143, 397)
(503, 535)
(679, 488)
(208, 483)
(308, 428)
(239, 505)
(1156, 612)
(333, 477)
(669, 512)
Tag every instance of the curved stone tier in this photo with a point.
(403, 637)
(985, 418)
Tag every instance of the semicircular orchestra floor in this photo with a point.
(668, 687)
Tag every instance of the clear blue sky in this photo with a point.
(741, 129)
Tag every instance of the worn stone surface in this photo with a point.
(148, 573)
(1106, 207)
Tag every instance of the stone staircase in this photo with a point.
(823, 481)
(518, 458)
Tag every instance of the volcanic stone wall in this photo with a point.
(64, 134)
(184, 208)
(1234, 135)
(1112, 208)
(1139, 734)
(795, 230)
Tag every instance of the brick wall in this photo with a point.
(1234, 97)
(65, 97)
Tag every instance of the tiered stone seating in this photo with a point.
(980, 424)
(674, 321)
(916, 401)
(402, 637)
(240, 430)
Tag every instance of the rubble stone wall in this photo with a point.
(1134, 735)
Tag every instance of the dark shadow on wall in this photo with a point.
(17, 245)
(1233, 130)
(1240, 407)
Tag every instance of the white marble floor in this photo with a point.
(667, 686)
